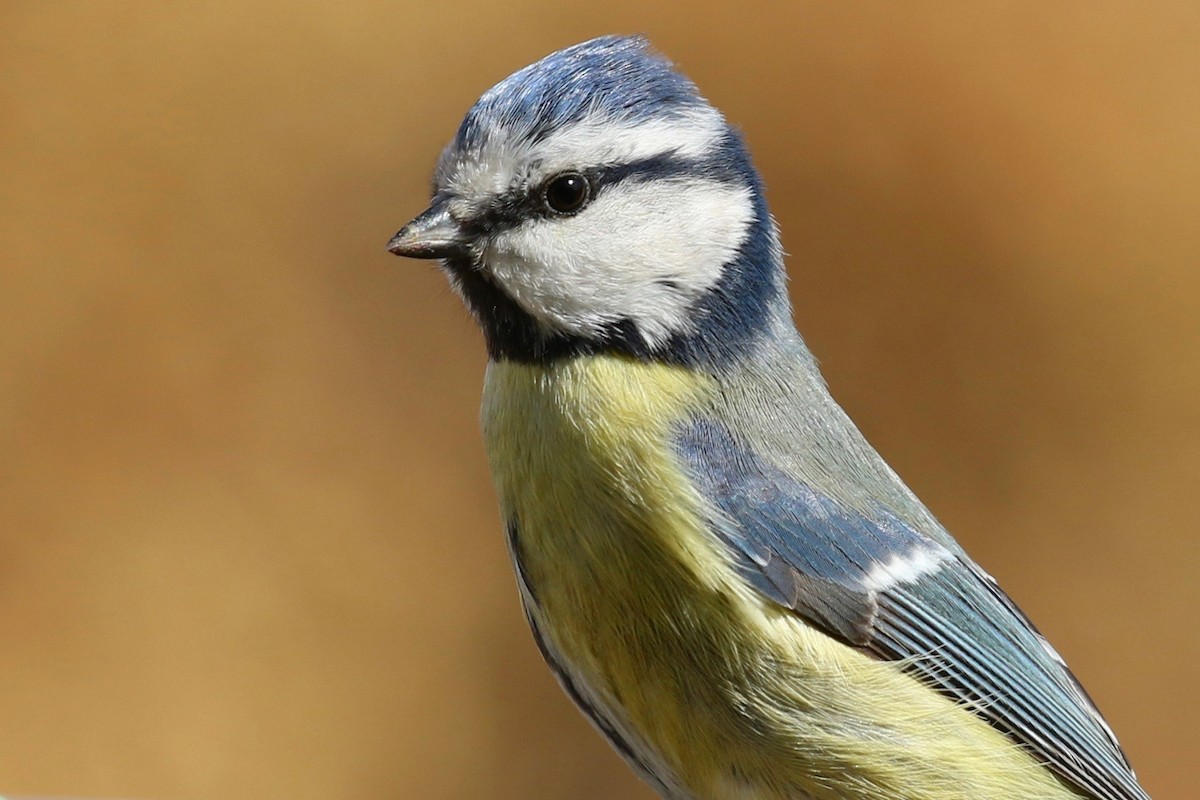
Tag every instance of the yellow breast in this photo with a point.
(581, 458)
(611, 538)
(739, 698)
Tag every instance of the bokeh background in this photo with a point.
(248, 546)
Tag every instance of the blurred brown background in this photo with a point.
(248, 547)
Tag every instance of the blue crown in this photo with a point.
(617, 78)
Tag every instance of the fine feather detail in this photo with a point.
(880, 584)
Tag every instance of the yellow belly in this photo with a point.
(738, 697)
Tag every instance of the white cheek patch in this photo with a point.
(642, 250)
(508, 157)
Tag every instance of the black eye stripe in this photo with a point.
(665, 167)
(515, 206)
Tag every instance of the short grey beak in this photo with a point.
(434, 234)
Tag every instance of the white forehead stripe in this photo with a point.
(644, 251)
(506, 157)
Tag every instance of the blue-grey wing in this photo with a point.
(876, 582)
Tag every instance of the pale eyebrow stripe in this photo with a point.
(689, 134)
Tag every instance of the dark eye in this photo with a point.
(567, 193)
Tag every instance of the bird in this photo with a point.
(719, 569)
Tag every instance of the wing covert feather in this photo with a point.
(876, 582)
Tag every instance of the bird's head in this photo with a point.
(595, 202)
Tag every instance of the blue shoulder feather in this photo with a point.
(873, 581)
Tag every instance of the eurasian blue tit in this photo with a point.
(721, 572)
